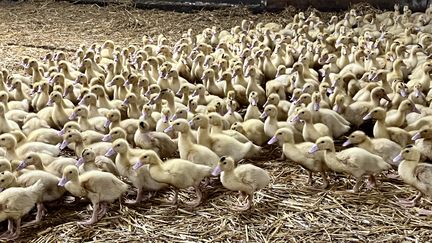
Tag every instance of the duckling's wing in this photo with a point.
(346, 157)
(423, 173)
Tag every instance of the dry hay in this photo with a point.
(288, 210)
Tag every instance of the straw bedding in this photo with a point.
(288, 210)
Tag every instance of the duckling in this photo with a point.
(415, 174)
(380, 130)
(282, 105)
(33, 122)
(17, 202)
(245, 178)
(252, 111)
(141, 178)
(219, 126)
(398, 118)
(383, 147)
(75, 137)
(9, 142)
(100, 187)
(89, 161)
(44, 135)
(51, 191)
(196, 153)
(299, 154)
(355, 112)
(253, 129)
(53, 166)
(423, 143)
(271, 124)
(151, 116)
(95, 123)
(5, 124)
(178, 173)
(160, 142)
(311, 131)
(355, 161)
(232, 115)
(222, 145)
(59, 115)
(113, 119)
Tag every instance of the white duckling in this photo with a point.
(9, 142)
(51, 191)
(141, 178)
(160, 142)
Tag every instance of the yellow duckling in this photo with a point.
(100, 187)
(160, 142)
(354, 161)
(246, 179)
(415, 174)
(383, 147)
(178, 173)
(196, 153)
(51, 191)
(141, 178)
(423, 142)
(221, 144)
(380, 130)
(89, 161)
(253, 129)
(299, 153)
(15, 203)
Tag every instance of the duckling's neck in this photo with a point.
(380, 129)
(122, 163)
(203, 137)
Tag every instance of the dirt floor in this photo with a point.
(288, 210)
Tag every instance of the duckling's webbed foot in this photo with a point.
(102, 211)
(371, 182)
(325, 181)
(174, 200)
(94, 218)
(197, 201)
(10, 234)
(245, 207)
(138, 198)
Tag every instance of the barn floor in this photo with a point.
(288, 210)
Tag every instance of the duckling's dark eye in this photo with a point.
(118, 145)
(198, 119)
(322, 141)
(302, 112)
(29, 157)
(2, 139)
(2, 180)
(145, 157)
(70, 172)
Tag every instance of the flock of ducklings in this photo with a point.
(123, 110)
